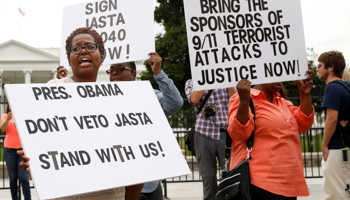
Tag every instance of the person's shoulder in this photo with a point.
(336, 86)
(332, 85)
(188, 83)
(347, 82)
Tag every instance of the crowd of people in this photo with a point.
(276, 165)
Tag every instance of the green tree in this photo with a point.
(318, 85)
(172, 45)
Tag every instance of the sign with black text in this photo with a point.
(230, 40)
(127, 30)
(86, 137)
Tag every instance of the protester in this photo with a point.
(210, 136)
(276, 166)
(85, 52)
(12, 144)
(336, 103)
(169, 98)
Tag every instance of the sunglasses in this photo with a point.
(118, 70)
(319, 66)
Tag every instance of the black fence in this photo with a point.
(311, 145)
(311, 142)
(182, 121)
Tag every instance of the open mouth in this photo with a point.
(85, 62)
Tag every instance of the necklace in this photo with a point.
(74, 79)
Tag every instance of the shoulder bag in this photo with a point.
(235, 184)
(190, 135)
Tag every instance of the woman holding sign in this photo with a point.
(12, 144)
(85, 51)
(276, 166)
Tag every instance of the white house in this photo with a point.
(21, 63)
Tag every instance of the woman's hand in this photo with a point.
(243, 89)
(9, 116)
(305, 85)
(4, 122)
(61, 72)
(24, 164)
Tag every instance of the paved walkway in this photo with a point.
(193, 191)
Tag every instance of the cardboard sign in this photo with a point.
(127, 30)
(84, 137)
(230, 40)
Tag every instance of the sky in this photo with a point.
(326, 23)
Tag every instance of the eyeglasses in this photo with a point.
(319, 66)
(76, 49)
(118, 70)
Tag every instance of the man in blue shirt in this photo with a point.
(336, 102)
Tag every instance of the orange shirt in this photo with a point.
(276, 164)
(11, 139)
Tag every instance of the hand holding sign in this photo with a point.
(61, 72)
(24, 164)
(156, 62)
(305, 85)
(243, 90)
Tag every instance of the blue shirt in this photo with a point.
(171, 101)
(169, 96)
(337, 98)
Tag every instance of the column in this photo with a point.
(27, 76)
(54, 72)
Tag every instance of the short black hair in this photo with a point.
(90, 31)
(132, 65)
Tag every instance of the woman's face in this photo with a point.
(125, 75)
(273, 87)
(85, 64)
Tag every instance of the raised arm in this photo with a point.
(243, 89)
(5, 122)
(305, 87)
(169, 96)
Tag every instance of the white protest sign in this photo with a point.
(93, 136)
(230, 40)
(127, 30)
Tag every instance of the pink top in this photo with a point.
(276, 164)
(11, 139)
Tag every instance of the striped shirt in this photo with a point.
(210, 126)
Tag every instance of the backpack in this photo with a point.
(345, 131)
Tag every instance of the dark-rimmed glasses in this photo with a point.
(118, 70)
(76, 49)
(319, 66)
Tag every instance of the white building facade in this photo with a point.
(21, 63)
